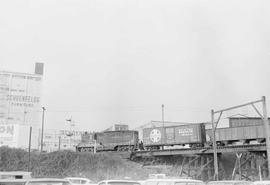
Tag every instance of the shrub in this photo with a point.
(68, 163)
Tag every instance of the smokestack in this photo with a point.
(39, 68)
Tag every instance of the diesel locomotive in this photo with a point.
(124, 140)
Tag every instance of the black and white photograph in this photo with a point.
(134, 92)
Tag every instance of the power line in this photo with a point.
(113, 109)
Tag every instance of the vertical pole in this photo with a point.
(95, 146)
(162, 106)
(238, 156)
(214, 145)
(29, 149)
(59, 143)
(260, 173)
(266, 125)
(70, 136)
(42, 129)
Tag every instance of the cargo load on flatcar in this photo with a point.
(245, 121)
(157, 137)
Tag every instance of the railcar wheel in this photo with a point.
(83, 150)
(131, 148)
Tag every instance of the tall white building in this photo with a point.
(20, 107)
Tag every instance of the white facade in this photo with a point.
(8, 135)
(54, 140)
(15, 135)
(20, 108)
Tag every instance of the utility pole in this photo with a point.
(59, 143)
(42, 129)
(266, 125)
(71, 122)
(29, 149)
(263, 116)
(95, 146)
(214, 144)
(162, 107)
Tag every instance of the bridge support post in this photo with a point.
(197, 167)
(250, 166)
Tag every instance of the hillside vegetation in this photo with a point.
(67, 163)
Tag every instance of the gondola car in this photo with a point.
(243, 134)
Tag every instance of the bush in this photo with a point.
(67, 163)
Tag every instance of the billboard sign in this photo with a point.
(8, 135)
(20, 96)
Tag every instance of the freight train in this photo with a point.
(191, 135)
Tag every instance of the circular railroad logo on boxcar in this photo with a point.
(155, 135)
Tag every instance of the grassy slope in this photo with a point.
(67, 163)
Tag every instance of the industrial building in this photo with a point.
(54, 140)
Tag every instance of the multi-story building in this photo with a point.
(20, 107)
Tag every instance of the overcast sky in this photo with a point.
(117, 61)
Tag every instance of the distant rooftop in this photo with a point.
(153, 123)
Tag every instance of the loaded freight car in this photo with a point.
(157, 137)
(245, 121)
(109, 141)
(232, 135)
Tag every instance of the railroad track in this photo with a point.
(200, 150)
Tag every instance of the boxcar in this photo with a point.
(192, 134)
(231, 135)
